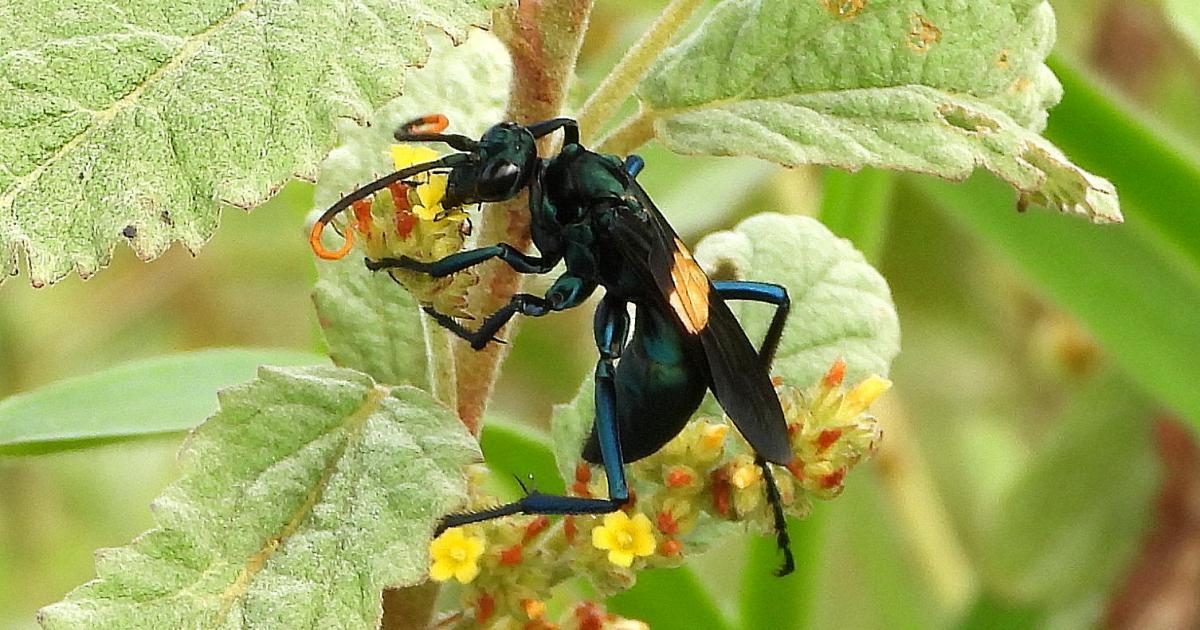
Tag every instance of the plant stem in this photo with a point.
(633, 133)
(923, 519)
(544, 37)
(619, 83)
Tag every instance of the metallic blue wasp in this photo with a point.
(589, 212)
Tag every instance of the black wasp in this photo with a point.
(588, 211)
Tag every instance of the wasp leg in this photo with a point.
(777, 295)
(761, 292)
(568, 125)
(523, 303)
(566, 292)
(519, 261)
(612, 327)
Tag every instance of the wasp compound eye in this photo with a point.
(499, 180)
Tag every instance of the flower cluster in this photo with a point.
(703, 479)
(407, 219)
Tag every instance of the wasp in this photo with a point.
(588, 211)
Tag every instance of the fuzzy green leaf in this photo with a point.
(371, 323)
(126, 122)
(932, 87)
(841, 307)
(311, 491)
(129, 400)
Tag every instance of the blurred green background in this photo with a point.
(1040, 466)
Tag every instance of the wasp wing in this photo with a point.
(740, 382)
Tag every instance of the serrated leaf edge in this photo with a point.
(101, 118)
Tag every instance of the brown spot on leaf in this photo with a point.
(844, 9)
(1020, 85)
(922, 34)
(1002, 59)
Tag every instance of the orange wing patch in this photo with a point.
(689, 298)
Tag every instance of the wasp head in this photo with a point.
(504, 162)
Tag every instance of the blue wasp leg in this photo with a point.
(634, 164)
(568, 125)
(761, 292)
(519, 261)
(566, 292)
(612, 328)
(777, 295)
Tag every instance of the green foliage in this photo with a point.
(308, 493)
(313, 489)
(371, 324)
(128, 122)
(162, 395)
(933, 88)
(1098, 462)
(841, 306)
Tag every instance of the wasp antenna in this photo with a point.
(314, 237)
(314, 241)
(429, 129)
(430, 123)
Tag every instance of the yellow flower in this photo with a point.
(864, 394)
(455, 555)
(432, 188)
(624, 537)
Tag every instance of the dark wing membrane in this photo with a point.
(739, 381)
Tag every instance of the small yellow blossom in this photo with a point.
(624, 537)
(864, 394)
(455, 555)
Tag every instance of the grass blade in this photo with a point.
(152, 396)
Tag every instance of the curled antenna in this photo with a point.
(314, 237)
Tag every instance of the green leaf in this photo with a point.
(841, 306)
(768, 601)
(1159, 176)
(127, 122)
(1184, 15)
(371, 323)
(308, 493)
(854, 206)
(1097, 467)
(521, 453)
(937, 88)
(669, 599)
(1131, 291)
(148, 397)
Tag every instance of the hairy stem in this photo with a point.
(633, 133)
(619, 83)
(543, 37)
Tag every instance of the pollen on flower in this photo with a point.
(456, 555)
(713, 436)
(624, 538)
(534, 608)
(865, 393)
